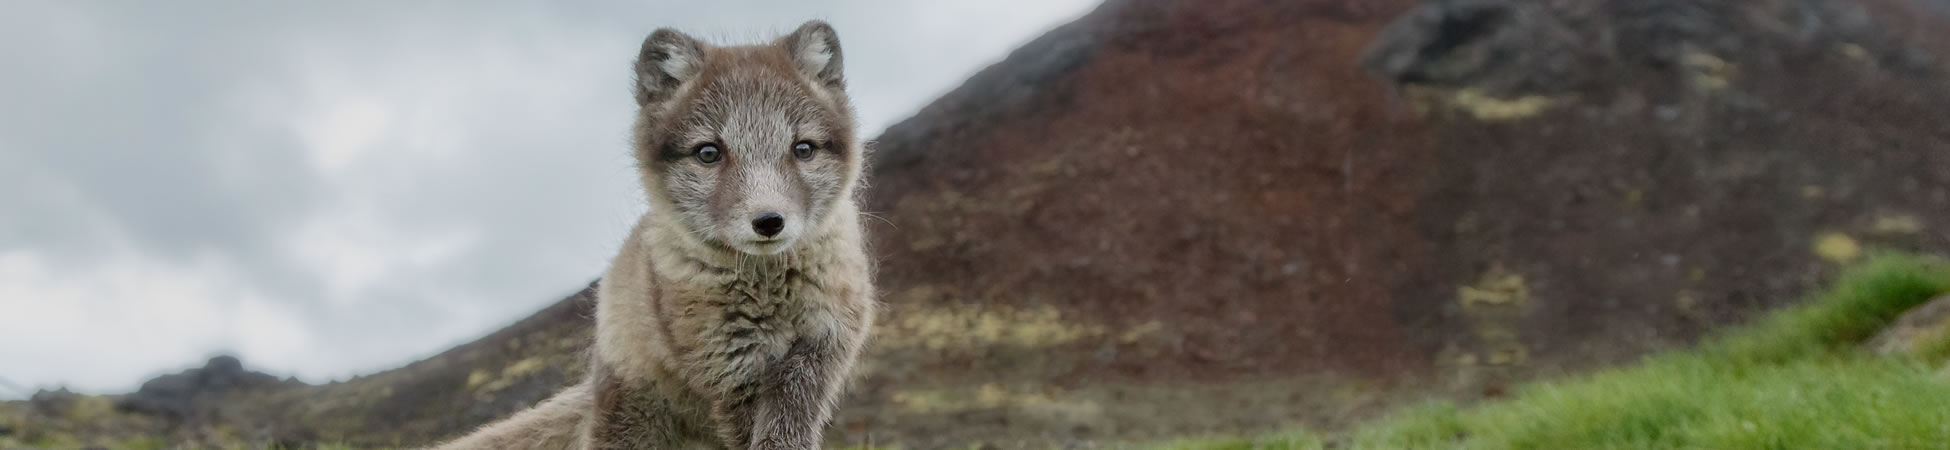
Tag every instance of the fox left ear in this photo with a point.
(668, 60)
(815, 48)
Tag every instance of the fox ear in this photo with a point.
(668, 59)
(815, 48)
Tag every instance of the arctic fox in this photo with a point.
(734, 312)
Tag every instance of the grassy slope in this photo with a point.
(1796, 379)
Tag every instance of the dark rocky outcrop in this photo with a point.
(177, 395)
(58, 402)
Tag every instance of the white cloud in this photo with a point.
(345, 130)
(272, 335)
(355, 251)
(105, 327)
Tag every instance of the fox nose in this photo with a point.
(768, 224)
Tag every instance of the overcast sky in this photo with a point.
(335, 188)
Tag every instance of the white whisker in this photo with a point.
(882, 219)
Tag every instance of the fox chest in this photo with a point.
(732, 329)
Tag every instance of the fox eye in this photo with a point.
(707, 153)
(803, 150)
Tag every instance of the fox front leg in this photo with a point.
(802, 389)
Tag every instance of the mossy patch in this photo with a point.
(483, 383)
(1897, 224)
(1837, 247)
(477, 378)
(993, 396)
(1481, 104)
(980, 326)
(1496, 287)
(1708, 72)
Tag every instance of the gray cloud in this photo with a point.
(333, 190)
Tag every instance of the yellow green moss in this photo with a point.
(1837, 247)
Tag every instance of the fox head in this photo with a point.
(752, 147)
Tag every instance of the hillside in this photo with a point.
(1174, 218)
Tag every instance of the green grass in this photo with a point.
(1851, 402)
(1863, 301)
(1795, 379)
(1935, 350)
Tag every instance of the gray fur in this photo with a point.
(709, 335)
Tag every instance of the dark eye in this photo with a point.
(707, 153)
(803, 150)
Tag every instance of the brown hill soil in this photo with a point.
(1180, 217)
(1216, 194)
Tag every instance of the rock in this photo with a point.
(1497, 45)
(54, 403)
(175, 395)
(1506, 47)
(1911, 333)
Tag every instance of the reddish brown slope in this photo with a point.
(1223, 168)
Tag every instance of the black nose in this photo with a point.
(768, 224)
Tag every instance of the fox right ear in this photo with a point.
(667, 60)
(815, 47)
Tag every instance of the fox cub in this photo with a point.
(734, 312)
